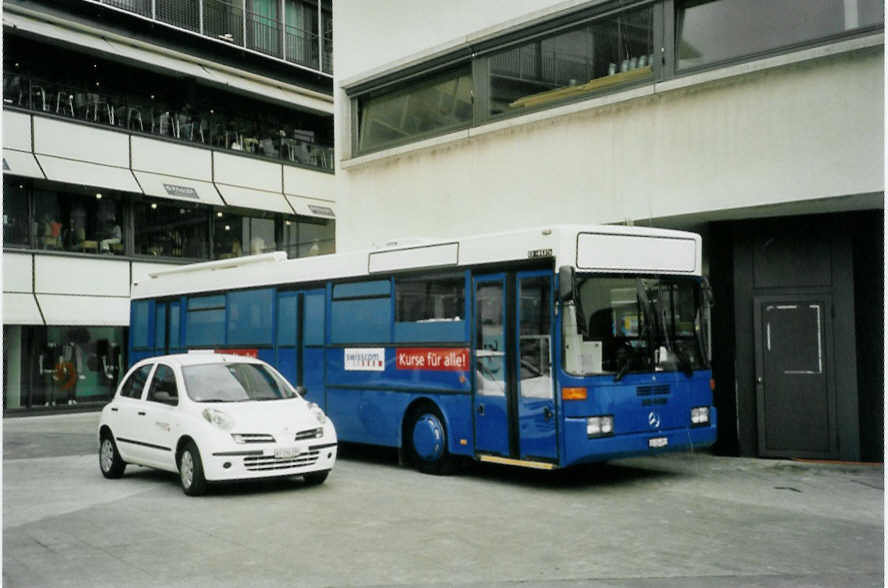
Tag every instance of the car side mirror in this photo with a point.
(301, 391)
(566, 283)
(166, 398)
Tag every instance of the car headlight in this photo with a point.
(700, 415)
(314, 409)
(600, 426)
(218, 418)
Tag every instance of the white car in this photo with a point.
(213, 417)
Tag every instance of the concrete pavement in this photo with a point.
(682, 520)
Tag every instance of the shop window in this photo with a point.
(77, 364)
(235, 235)
(85, 223)
(169, 229)
(598, 56)
(712, 31)
(15, 213)
(308, 237)
(436, 104)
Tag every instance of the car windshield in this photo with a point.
(641, 324)
(234, 382)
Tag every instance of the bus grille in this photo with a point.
(264, 463)
(652, 390)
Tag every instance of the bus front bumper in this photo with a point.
(581, 449)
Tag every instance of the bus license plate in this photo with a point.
(658, 442)
(285, 452)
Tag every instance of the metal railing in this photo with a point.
(227, 20)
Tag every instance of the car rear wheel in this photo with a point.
(315, 478)
(110, 463)
(191, 473)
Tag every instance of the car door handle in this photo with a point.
(141, 413)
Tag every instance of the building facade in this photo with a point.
(138, 134)
(757, 124)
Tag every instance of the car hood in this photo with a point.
(269, 416)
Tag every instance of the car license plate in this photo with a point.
(285, 452)
(658, 442)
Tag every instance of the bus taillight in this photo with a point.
(573, 394)
(712, 384)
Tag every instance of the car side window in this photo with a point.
(163, 386)
(134, 385)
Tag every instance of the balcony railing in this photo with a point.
(226, 20)
(279, 141)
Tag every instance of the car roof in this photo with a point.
(200, 358)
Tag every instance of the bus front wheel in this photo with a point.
(428, 443)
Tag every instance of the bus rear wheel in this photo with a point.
(428, 443)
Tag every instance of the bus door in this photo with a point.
(514, 398)
(300, 341)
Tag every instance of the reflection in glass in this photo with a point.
(76, 364)
(591, 57)
(235, 235)
(78, 222)
(709, 31)
(309, 236)
(490, 343)
(170, 229)
(15, 213)
(438, 103)
(535, 338)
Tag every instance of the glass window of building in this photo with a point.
(710, 31)
(165, 228)
(86, 223)
(439, 103)
(16, 219)
(74, 364)
(596, 56)
(308, 237)
(235, 234)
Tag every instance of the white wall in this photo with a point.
(803, 131)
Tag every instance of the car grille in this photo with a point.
(256, 437)
(310, 433)
(264, 463)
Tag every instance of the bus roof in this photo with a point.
(589, 248)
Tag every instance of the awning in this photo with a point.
(56, 32)
(270, 91)
(319, 208)
(179, 188)
(91, 174)
(21, 163)
(20, 309)
(160, 60)
(94, 311)
(257, 199)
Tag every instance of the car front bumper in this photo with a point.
(270, 461)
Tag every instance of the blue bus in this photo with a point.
(542, 348)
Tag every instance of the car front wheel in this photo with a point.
(191, 473)
(110, 463)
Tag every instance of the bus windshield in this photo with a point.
(640, 324)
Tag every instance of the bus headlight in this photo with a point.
(600, 426)
(700, 416)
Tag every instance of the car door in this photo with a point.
(125, 419)
(159, 418)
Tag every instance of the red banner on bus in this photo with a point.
(244, 352)
(436, 359)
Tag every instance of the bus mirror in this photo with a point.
(565, 283)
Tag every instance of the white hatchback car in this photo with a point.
(213, 417)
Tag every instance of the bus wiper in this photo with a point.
(649, 318)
